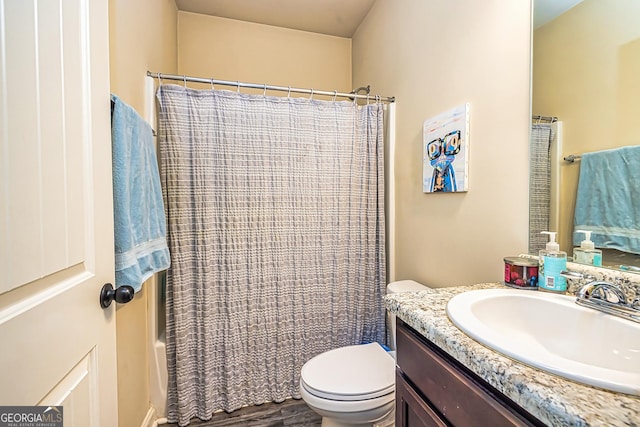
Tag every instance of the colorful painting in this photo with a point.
(446, 152)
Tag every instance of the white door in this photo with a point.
(57, 345)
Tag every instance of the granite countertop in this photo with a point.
(553, 400)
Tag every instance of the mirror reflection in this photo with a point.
(586, 64)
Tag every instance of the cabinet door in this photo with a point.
(411, 409)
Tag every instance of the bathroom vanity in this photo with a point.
(445, 378)
(434, 389)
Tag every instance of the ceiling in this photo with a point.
(333, 17)
(547, 10)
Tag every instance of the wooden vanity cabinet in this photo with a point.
(434, 389)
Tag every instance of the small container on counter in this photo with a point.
(521, 272)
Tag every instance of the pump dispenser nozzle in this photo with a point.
(586, 243)
(552, 245)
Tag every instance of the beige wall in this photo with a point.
(477, 54)
(586, 65)
(233, 50)
(433, 56)
(142, 37)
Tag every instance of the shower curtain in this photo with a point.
(539, 185)
(275, 223)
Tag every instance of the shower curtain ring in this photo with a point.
(237, 86)
(264, 92)
(335, 94)
(289, 92)
(212, 88)
(160, 79)
(311, 96)
(367, 99)
(185, 81)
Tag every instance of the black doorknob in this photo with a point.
(122, 295)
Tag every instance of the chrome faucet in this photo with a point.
(605, 296)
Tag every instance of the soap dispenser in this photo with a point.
(552, 262)
(587, 252)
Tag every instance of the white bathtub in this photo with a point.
(157, 347)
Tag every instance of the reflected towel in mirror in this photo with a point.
(608, 199)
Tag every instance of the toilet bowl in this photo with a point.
(350, 385)
(354, 385)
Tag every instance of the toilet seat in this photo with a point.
(341, 406)
(350, 374)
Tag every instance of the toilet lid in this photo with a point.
(350, 373)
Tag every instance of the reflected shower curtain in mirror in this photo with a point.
(539, 185)
(275, 223)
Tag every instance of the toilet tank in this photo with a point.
(395, 288)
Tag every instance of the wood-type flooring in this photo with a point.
(290, 413)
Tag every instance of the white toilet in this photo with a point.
(355, 385)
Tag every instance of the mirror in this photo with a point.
(586, 64)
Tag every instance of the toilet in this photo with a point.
(355, 385)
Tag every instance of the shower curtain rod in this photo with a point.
(266, 87)
(550, 119)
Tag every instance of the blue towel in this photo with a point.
(608, 199)
(139, 220)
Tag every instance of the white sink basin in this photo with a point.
(551, 332)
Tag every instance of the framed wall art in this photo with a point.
(445, 145)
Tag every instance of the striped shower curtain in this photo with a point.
(539, 185)
(275, 223)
